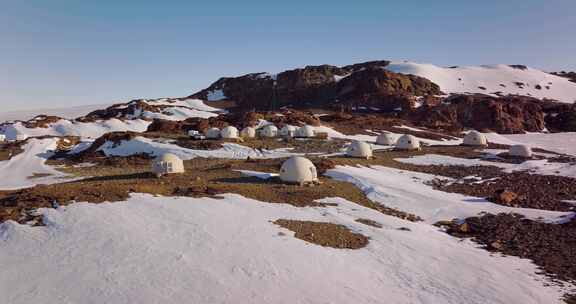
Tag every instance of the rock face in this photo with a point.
(507, 115)
(560, 117)
(366, 84)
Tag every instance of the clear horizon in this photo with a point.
(65, 53)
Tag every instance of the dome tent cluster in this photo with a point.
(267, 131)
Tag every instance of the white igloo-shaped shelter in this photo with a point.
(248, 132)
(475, 138)
(20, 136)
(229, 132)
(2, 138)
(306, 131)
(288, 131)
(408, 142)
(269, 131)
(359, 149)
(298, 170)
(212, 133)
(520, 151)
(192, 133)
(386, 139)
(167, 164)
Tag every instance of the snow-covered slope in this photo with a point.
(28, 168)
(203, 250)
(140, 145)
(66, 127)
(136, 120)
(489, 79)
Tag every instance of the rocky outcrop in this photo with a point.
(120, 111)
(512, 114)
(560, 117)
(41, 121)
(570, 75)
(361, 85)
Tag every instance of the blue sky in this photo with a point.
(69, 52)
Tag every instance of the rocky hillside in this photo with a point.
(385, 85)
(366, 84)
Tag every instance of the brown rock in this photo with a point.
(505, 197)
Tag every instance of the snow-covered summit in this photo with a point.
(492, 79)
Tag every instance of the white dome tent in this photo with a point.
(269, 131)
(248, 132)
(193, 133)
(230, 132)
(306, 131)
(298, 170)
(520, 151)
(2, 138)
(475, 138)
(21, 137)
(212, 133)
(359, 149)
(167, 164)
(288, 131)
(408, 142)
(386, 139)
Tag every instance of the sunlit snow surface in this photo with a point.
(202, 250)
(407, 191)
(28, 168)
(540, 166)
(489, 79)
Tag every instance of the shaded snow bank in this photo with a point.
(202, 250)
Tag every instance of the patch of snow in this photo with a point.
(204, 250)
(260, 175)
(540, 167)
(408, 191)
(337, 78)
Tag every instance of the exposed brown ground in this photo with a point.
(550, 246)
(113, 179)
(9, 150)
(325, 234)
(369, 222)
